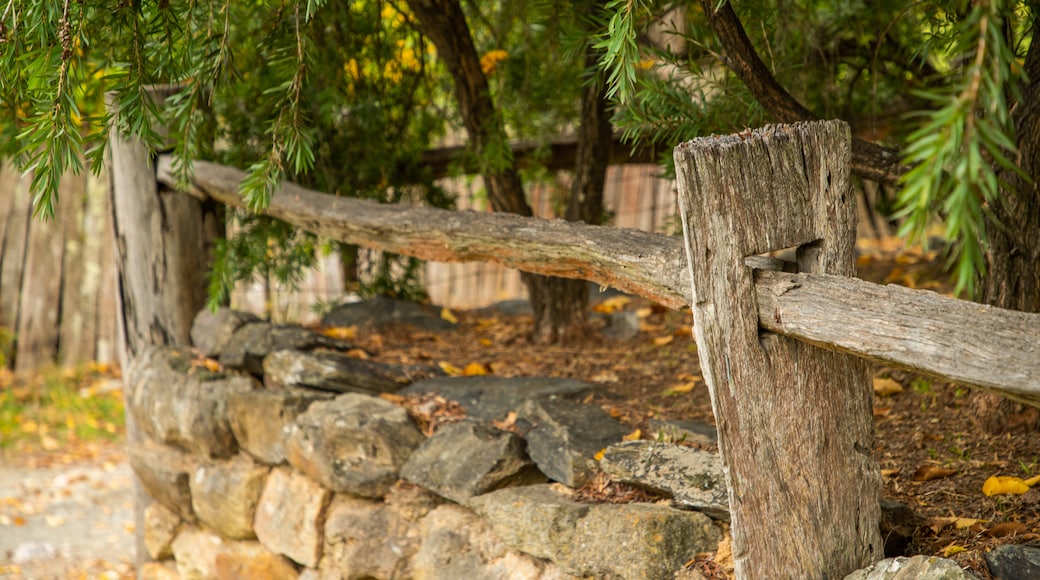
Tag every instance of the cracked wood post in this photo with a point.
(795, 421)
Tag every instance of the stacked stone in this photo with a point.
(305, 472)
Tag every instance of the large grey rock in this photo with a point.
(565, 436)
(367, 539)
(164, 473)
(160, 528)
(251, 342)
(469, 458)
(458, 544)
(488, 398)
(224, 495)
(684, 431)
(694, 479)
(602, 541)
(916, 568)
(332, 371)
(259, 418)
(178, 403)
(352, 444)
(290, 517)
(210, 330)
(1014, 562)
(378, 312)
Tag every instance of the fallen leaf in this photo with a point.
(663, 340)
(930, 472)
(18, 521)
(606, 376)
(451, 369)
(508, 423)
(599, 454)
(474, 369)
(357, 353)
(1007, 485)
(341, 332)
(651, 328)
(885, 387)
(633, 436)
(889, 472)
(680, 388)
(1006, 529)
(953, 549)
(486, 342)
(395, 399)
(612, 304)
(964, 523)
(882, 411)
(447, 315)
(644, 312)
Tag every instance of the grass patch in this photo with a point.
(54, 407)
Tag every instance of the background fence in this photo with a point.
(58, 280)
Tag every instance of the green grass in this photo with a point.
(57, 406)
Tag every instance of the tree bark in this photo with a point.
(1012, 278)
(444, 23)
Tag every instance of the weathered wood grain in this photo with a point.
(952, 339)
(635, 261)
(794, 420)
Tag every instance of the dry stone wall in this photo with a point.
(286, 463)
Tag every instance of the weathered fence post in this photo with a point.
(164, 242)
(795, 424)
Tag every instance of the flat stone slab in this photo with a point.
(378, 312)
(563, 437)
(635, 540)
(332, 371)
(164, 473)
(253, 341)
(489, 398)
(352, 444)
(470, 458)
(916, 568)
(694, 479)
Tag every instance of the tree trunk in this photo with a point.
(1013, 252)
(564, 305)
(559, 307)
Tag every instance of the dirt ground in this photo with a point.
(933, 452)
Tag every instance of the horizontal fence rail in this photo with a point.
(955, 340)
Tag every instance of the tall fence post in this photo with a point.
(795, 423)
(164, 241)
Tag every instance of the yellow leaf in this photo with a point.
(486, 342)
(447, 315)
(884, 387)
(663, 340)
(633, 436)
(1005, 485)
(212, 365)
(681, 388)
(341, 332)
(962, 523)
(30, 426)
(952, 549)
(644, 312)
(612, 304)
(450, 369)
(474, 369)
(599, 454)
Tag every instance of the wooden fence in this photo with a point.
(792, 405)
(58, 278)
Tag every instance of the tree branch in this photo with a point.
(869, 160)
